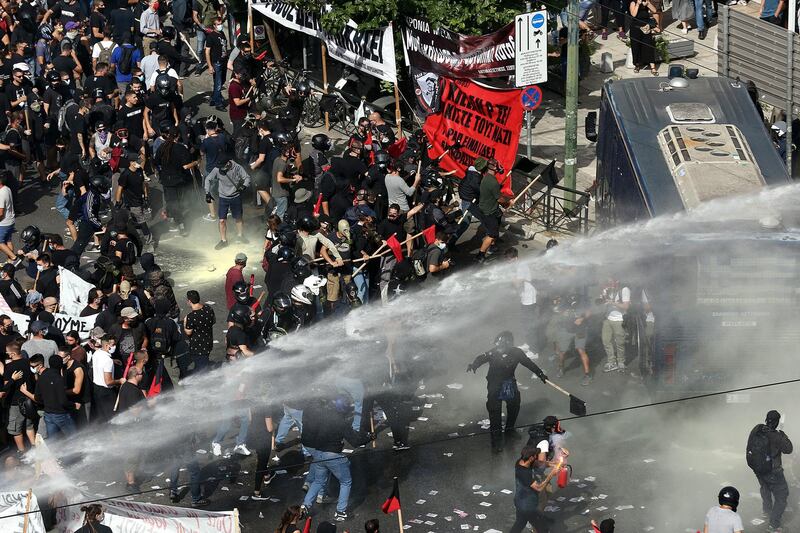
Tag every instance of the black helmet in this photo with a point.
(351, 291)
(282, 139)
(308, 223)
(382, 159)
(504, 340)
(303, 88)
(31, 235)
(287, 239)
(99, 184)
(321, 142)
(301, 268)
(281, 303)
(241, 291)
(286, 114)
(168, 32)
(552, 243)
(431, 178)
(729, 496)
(52, 76)
(239, 314)
(284, 254)
(46, 33)
(165, 84)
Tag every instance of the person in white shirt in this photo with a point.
(617, 300)
(162, 68)
(724, 518)
(149, 65)
(103, 382)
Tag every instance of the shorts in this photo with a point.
(334, 287)
(138, 215)
(491, 224)
(564, 340)
(17, 424)
(261, 180)
(234, 204)
(6, 232)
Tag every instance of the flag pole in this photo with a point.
(28, 499)
(324, 50)
(398, 117)
(250, 25)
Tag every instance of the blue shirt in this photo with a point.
(116, 56)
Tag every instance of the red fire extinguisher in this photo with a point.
(563, 476)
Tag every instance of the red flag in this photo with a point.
(252, 281)
(430, 234)
(158, 379)
(394, 244)
(128, 365)
(318, 205)
(392, 503)
(307, 527)
(397, 148)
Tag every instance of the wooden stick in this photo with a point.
(559, 389)
(373, 256)
(250, 24)
(186, 42)
(400, 519)
(372, 426)
(398, 117)
(28, 499)
(325, 81)
(273, 42)
(528, 186)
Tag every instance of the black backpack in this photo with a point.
(759, 458)
(536, 434)
(126, 60)
(159, 344)
(129, 254)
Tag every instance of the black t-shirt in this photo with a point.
(64, 63)
(133, 119)
(201, 322)
(172, 172)
(12, 293)
(349, 167)
(94, 528)
(89, 311)
(160, 108)
(77, 123)
(386, 227)
(218, 44)
(236, 337)
(62, 257)
(66, 12)
(11, 387)
(128, 340)
(132, 183)
(107, 84)
(121, 20)
(15, 92)
(54, 100)
(47, 284)
(4, 340)
(96, 20)
(129, 395)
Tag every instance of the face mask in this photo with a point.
(33, 370)
(219, 27)
(112, 349)
(442, 245)
(71, 35)
(155, 6)
(40, 267)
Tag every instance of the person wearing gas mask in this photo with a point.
(232, 180)
(317, 161)
(489, 204)
(501, 385)
(383, 133)
(765, 446)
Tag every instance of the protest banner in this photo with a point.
(485, 122)
(64, 323)
(13, 505)
(73, 292)
(370, 51)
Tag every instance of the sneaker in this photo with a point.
(208, 217)
(610, 367)
(303, 512)
(202, 502)
(216, 449)
(775, 529)
(400, 446)
(587, 378)
(340, 517)
(220, 245)
(174, 497)
(241, 239)
(702, 34)
(621, 369)
(325, 500)
(269, 476)
(241, 449)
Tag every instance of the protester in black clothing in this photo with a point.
(502, 385)
(47, 279)
(198, 327)
(10, 289)
(774, 489)
(526, 493)
(175, 163)
(163, 335)
(51, 393)
(260, 434)
(19, 383)
(92, 520)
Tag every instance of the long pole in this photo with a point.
(398, 117)
(273, 42)
(571, 109)
(250, 24)
(530, 140)
(400, 520)
(28, 499)
(325, 81)
(789, 93)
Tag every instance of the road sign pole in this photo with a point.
(571, 108)
(530, 140)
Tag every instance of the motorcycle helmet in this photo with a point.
(241, 291)
(239, 315)
(314, 283)
(504, 340)
(729, 496)
(165, 85)
(321, 142)
(301, 268)
(308, 223)
(284, 254)
(281, 303)
(302, 295)
(382, 159)
(303, 88)
(31, 235)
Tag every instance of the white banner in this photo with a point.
(74, 292)
(65, 323)
(14, 503)
(135, 517)
(370, 51)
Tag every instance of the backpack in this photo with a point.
(536, 434)
(63, 125)
(159, 345)
(129, 254)
(106, 273)
(759, 458)
(126, 60)
(243, 144)
(105, 53)
(419, 262)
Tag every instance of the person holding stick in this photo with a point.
(489, 203)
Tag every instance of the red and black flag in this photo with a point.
(392, 503)
(430, 234)
(158, 380)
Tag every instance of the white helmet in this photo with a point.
(301, 294)
(314, 283)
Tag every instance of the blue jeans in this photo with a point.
(201, 43)
(325, 463)
(355, 389)
(585, 6)
(194, 479)
(59, 423)
(702, 12)
(219, 77)
(63, 201)
(281, 205)
(291, 417)
(362, 284)
(244, 426)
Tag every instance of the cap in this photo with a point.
(33, 297)
(38, 326)
(240, 258)
(128, 312)
(69, 26)
(97, 333)
(480, 164)
(125, 289)
(780, 127)
(21, 66)
(9, 269)
(301, 195)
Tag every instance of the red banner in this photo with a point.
(486, 122)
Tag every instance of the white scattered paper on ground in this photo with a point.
(243, 498)
(589, 478)
(602, 496)
(428, 405)
(448, 454)
(756, 521)
(433, 493)
(649, 461)
(551, 509)
(485, 504)
(480, 516)
(623, 507)
(422, 418)
(429, 523)
(601, 508)
(420, 502)
(431, 515)
(476, 487)
(210, 302)
(465, 526)
(507, 491)
(225, 488)
(456, 386)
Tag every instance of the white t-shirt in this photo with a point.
(543, 446)
(527, 292)
(99, 46)
(7, 203)
(622, 296)
(101, 363)
(152, 80)
(721, 520)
